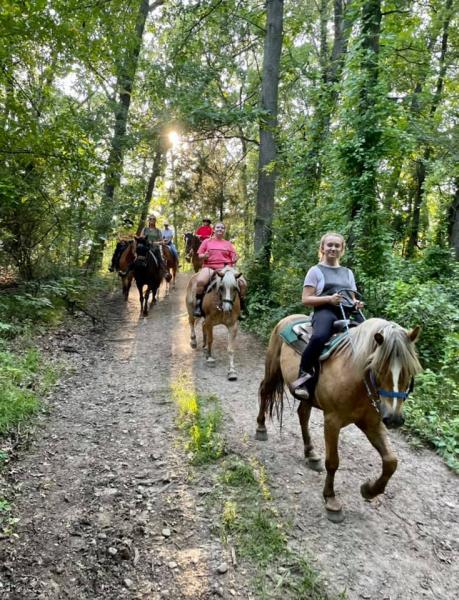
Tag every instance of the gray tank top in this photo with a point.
(336, 278)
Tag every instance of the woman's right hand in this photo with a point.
(336, 299)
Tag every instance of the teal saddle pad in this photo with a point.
(297, 333)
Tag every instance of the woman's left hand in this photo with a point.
(359, 304)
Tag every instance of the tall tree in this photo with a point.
(127, 69)
(267, 168)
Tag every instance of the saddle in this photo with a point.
(298, 333)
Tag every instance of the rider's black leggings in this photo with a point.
(322, 330)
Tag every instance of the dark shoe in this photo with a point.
(168, 277)
(299, 387)
(197, 312)
(111, 269)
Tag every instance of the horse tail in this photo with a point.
(271, 389)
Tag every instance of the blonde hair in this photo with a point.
(330, 234)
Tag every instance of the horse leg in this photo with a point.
(232, 331)
(261, 433)
(129, 278)
(208, 334)
(378, 438)
(313, 460)
(145, 303)
(332, 504)
(192, 321)
(140, 288)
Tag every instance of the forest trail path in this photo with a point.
(108, 511)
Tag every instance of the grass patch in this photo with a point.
(200, 418)
(23, 379)
(250, 522)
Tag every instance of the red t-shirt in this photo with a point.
(221, 253)
(204, 232)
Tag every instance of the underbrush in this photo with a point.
(24, 378)
(35, 305)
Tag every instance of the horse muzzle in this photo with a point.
(392, 420)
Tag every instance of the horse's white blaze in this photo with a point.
(396, 369)
(229, 284)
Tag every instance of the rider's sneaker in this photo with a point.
(111, 268)
(168, 277)
(299, 386)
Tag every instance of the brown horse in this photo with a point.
(192, 243)
(221, 306)
(123, 258)
(171, 263)
(364, 382)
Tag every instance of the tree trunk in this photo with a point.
(453, 220)
(155, 171)
(125, 82)
(268, 146)
(421, 166)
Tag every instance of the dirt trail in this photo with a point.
(107, 510)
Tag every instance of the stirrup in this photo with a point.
(299, 386)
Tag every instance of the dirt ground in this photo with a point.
(107, 509)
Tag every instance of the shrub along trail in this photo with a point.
(109, 506)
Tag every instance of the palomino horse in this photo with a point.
(122, 260)
(364, 382)
(147, 272)
(192, 243)
(171, 265)
(221, 306)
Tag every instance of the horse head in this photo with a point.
(227, 287)
(390, 366)
(141, 248)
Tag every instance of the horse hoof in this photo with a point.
(335, 516)
(315, 464)
(232, 376)
(365, 491)
(194, 344)
(334, 510)
(210, 361)
(261, 435)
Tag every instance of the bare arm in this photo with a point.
(309, 298)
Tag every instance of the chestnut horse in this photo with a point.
(123, 258)
(192, 243)
(171, 263)
(365, 382)
(221, 306)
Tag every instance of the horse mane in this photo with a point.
(366, 353)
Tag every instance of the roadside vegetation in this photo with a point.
(248, 522)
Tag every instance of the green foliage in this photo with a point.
(200, 417)
(433, 414)
(23, 379)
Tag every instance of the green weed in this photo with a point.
(200, 417)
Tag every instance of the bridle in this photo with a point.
(375, 393)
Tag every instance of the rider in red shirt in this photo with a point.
(216, 253)
(205, 231)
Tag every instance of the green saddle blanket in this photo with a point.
(297, 333)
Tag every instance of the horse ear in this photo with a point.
(379, 338)
(414, 333)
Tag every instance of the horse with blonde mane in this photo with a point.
(364, 381)
(221, 305)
